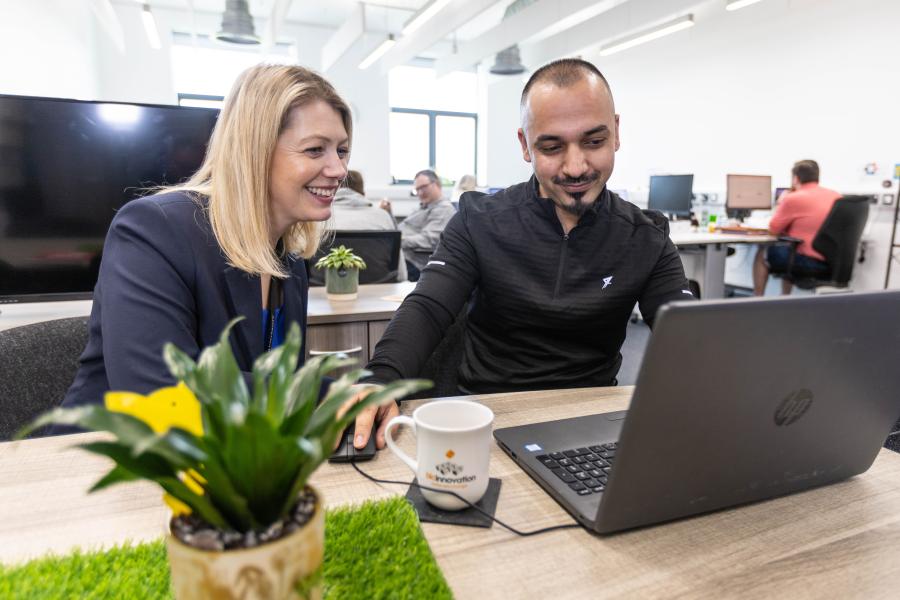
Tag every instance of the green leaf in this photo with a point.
(313, 452)
(303, 393)
(116, 475)
(261, 464)
(154, 468)
(95, 417)
(183, 368)
(282, 374)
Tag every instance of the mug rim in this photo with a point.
(487, 423)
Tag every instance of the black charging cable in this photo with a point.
(471, 505)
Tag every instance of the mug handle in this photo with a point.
(389, 438)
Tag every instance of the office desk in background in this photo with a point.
(331, 325)
(709, 258)
(838, 541)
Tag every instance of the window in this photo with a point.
(203, 70)
(433, 123)
(423, 139)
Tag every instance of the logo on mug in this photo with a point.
(793, 407)
(449, 473)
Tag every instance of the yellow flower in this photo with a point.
(165, 408)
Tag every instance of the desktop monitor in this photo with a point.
(779, 192)
(746, 193)
(671, 194)
(66, 167)
(380, 249)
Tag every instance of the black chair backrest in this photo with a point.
(838, 238)
(380, 250)
(38, 366)
(442, 367)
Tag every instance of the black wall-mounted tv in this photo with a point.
(66, 166)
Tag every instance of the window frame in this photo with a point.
(432, 129)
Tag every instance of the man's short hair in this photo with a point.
(354, 181)
(431, 175)
(564, 72)
(806, 171)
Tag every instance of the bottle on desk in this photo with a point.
(712, 223)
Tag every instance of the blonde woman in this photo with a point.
(178, 265)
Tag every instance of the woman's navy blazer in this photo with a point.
(164, 278)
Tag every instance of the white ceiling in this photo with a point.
(464, 32)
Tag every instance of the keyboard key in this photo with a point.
(557, 455)
(571, 453)
(595, 448)
(595, 472)
(591, 457)
(579, 460)
(584, 492)
(542, 457)
(564, 475)
(581, 475)
(591, 482)
(599, 488)
(611, 446)
(564, 462)
(576, 485)
(581, 451)
(607, 454)
(550, 463)
(600, 463)
(573, 469)
(602, 479)
(606, 469)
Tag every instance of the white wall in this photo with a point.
(47, 48)
(752, 91)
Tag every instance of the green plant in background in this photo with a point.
(245, 467)
(341, 258)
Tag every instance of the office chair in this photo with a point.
(39, 364)
(837, 240)
(380, 249)
(442, 367)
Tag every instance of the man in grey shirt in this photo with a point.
(422, 228)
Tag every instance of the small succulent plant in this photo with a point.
(341, 258)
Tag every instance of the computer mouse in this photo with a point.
(346, 451)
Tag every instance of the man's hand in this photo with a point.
(385, 205)
(367, 419)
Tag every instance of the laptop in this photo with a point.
(736, 401)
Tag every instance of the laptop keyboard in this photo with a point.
(585, 470)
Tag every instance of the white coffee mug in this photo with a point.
(453, 450)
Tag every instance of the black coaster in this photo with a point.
(468, 517)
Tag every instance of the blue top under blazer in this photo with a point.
(164, 278)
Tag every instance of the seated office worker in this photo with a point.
(178, 265)
(352, 212)
(422, 229)
(555, 263)
(800, 214)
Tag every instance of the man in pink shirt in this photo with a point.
(800, 214)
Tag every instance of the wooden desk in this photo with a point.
(834, 542)
(713, 251)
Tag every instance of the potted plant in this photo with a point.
(342, 269)
(233, 462)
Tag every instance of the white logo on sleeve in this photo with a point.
(688, 292)
(606, 282)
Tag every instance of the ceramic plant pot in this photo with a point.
(287, 568)
(341, 284)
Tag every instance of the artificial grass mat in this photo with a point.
(374, 550)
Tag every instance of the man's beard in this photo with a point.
(579, 207)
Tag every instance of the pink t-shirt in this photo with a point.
(801, 213)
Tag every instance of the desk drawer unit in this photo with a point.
(350, 338)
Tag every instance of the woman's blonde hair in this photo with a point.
(235, 172)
